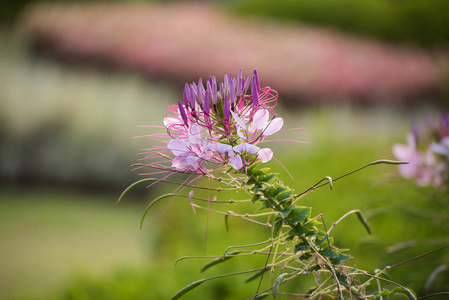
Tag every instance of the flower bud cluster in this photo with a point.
(219, 125)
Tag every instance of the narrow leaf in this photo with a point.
(364, 221)
(133, 185)
(219, 260)
(277, 283)
(388, 162)
(153, 203)
(186, 289)
(330, 181)
(260, 296)
(256, 275)
(227, 222)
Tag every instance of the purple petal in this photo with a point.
(236, 162)
(238, 120)
(250, 149)
(178, 147)
(260, 120)
(265, 154)
(274, 126)
(223, 148)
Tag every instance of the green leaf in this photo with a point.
(273, 192)
(187, 289)
(299, 214)
(343, 278)
(284, 195)
(404, 292)
(339, 258)
(268, 204)
(285, 212)
(364, 221)
(385, 292)
(268, 178)
(300, 230)
(319, 241)
(314, 268)
(277, 226)
(226, 218)
(327, 253)
(219, 260)
(302, 247)
(277, 283)
(152, 203)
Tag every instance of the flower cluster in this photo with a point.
(217, 125)
(427, 152)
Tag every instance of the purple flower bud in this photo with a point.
(247, 82)
(207, 102)
(186, 95)
(232, 93)
(226, 109)
(213, 93)
(255, 94)
(256, 79)
(225, 83)
(200, 92)
(183, 113)
(239, 75)
(193, 91)
(222, 91)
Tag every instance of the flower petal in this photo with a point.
(265, 154)
(274, 126)
(236, 162)
(178, 147)
(260, 120)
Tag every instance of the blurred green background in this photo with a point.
(66, 146)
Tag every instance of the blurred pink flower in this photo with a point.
(427, 152)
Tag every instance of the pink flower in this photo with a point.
(216, 126)
(427, 152)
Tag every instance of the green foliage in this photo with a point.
(421, 22)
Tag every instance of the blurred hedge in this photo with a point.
(422, 22)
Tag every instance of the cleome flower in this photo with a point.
(427, 152)
(216, 126)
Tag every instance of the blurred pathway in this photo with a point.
(185, 41)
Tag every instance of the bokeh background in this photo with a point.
(78, 78)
